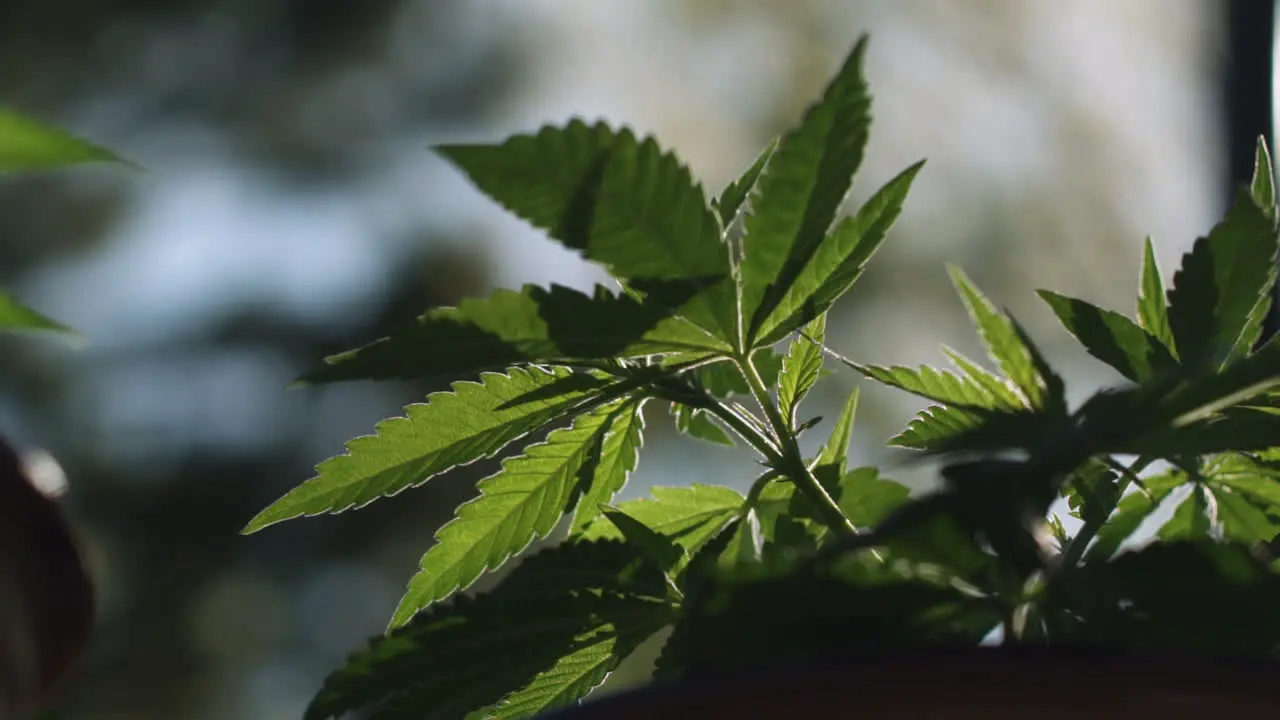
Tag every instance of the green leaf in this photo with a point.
(29, 145)
(1153, 313)
(519, 504)
(935, 425)
(1092, 492)
(836, 263)
(698, 423)
(747, 543)
(619, 455)
(510, 327)
(1262, 187)
(801, 367)
(560, 623)
(657, 548)
(801, 190)
(623, 203)
(15, 316)
(1005, 395)
(1241, 517)
(1220, 282)
(1006, 343)
(690, 516)
(933, 384)
(835, 452)
(1193, 519)
(472, 421)
(731, 199)
(1131, 511)
(1243, 476)
(867, 498)
(1112, 338)
(1184, 597)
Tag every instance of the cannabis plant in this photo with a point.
(720, 312)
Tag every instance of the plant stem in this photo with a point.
(746, 430)
(791, 462)
(1076, 546)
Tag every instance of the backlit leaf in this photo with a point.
(732, 197)
(1004, 341)
(619, 455)
(690, 516)
(802, 188)
(932, 384)
(836, 263)
(1153, 313)
(519, 504)
(474, 420)
(801, 367)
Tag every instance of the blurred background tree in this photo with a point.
(291, 210)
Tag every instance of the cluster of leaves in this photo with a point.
(818, 557)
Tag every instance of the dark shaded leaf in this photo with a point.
(560, 623)
(1220, 282)
(1112, 338)
(510, 327)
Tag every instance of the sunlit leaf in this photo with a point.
(801, 367)
(836, 263)
(1153, 313)
(690, 516)
(932, 384)
(1002, 390)
(519, 504)
(474, 420)
(619, 455)
(835, 451)
(1262, 187)
(1009, 347)
(732, 197)
(802, 188)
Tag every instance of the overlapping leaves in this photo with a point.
(560, 622)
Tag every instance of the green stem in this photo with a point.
(1074, 551)
(747, 430)
(791, 463)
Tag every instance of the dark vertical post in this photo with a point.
(1250, 43)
